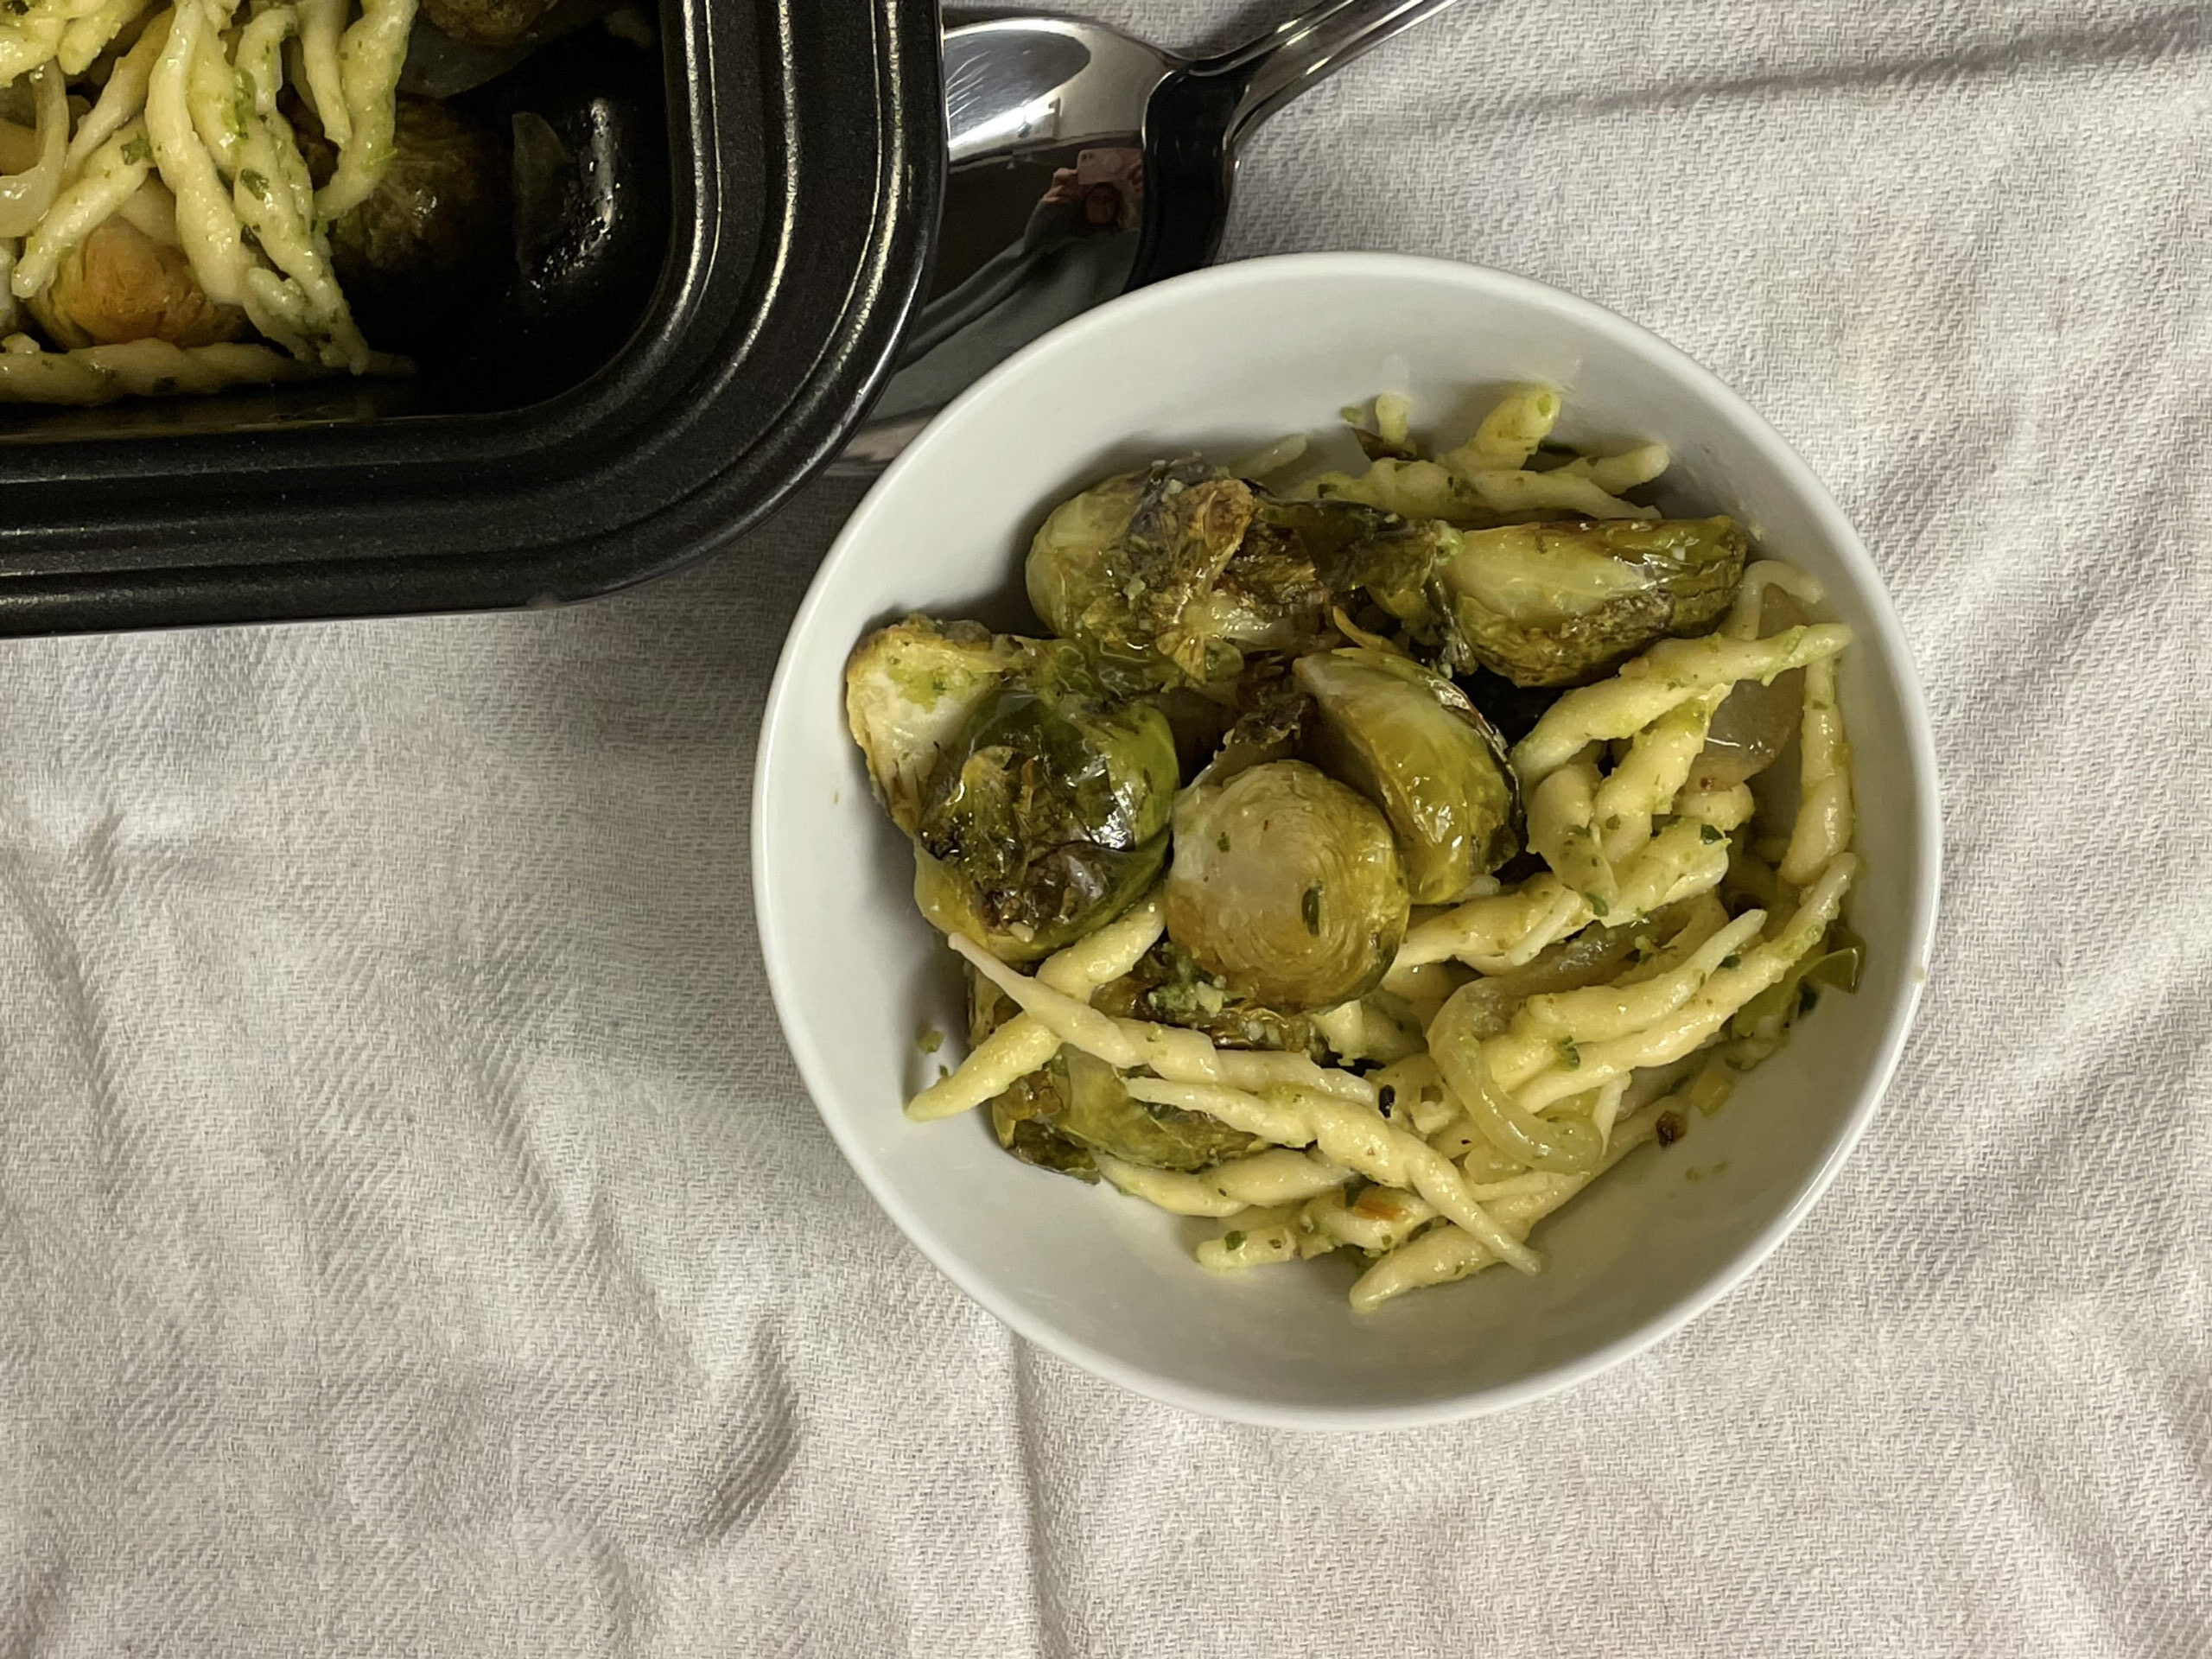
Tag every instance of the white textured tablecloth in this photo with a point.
(414, 1239)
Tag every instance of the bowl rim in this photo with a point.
(1130, 311)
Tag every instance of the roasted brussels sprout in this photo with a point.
(1056, 1116)
(433, 240)
(909, 689)
(122, 284)
(1170, 575)
(1410, 742)
(1039, 808)
(1562, 604)
(1171, 988)
(1286, 884)
(1394, 564)
(1047, 816)
(486, 23)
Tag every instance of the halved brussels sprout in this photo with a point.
(1168, 576)
(1286, 884)
(1047, 816)
(909, 689)
(121, 284)
(1057, 1118)
(486, 23)
(1410, 742)
(1171, 988)
(1056, 1115)
(1561, 604)
(434, 240)
(1393, 565)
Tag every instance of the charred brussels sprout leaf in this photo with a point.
(1170, 575)
(1046, 816)
(1410, 742)
(1102, 1114)
(1393, 565)
(1562, 604)
(1025, 1119)
(909, 690)
(1288, 886)
(1057, 1118)
(1271, 712)
(1171, 988)
(1058, 1114)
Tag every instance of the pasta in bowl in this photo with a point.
(1363, 859)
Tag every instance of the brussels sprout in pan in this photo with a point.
(122, 284)
(1410, 742)
(1046, 816)
(487, 22)
(433, 236)
(1288, 885)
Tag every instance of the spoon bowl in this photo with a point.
(1086, 163)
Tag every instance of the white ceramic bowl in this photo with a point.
(1224, 361)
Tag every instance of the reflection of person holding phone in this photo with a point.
(1076, 252)
(1109, 184)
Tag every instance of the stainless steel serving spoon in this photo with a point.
(1085, 163)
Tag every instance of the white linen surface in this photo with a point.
(417, 1240)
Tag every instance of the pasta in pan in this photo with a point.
(1176, 842)
(219, 184)
(186, 127)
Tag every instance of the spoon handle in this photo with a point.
(1281, 65)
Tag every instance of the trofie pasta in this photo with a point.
(200, 180)
(1178, 839)
(190, 109)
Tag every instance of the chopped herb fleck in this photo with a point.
(256, 184)
(929, 1039)
(1224, 842)
(1598, 906)
(1733, 959)
(1569, 1055)
(1309, 908)
(1385, 1098)
(1709, 833)
(1669, 1129)
(138, 150)
(1234, 1241)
